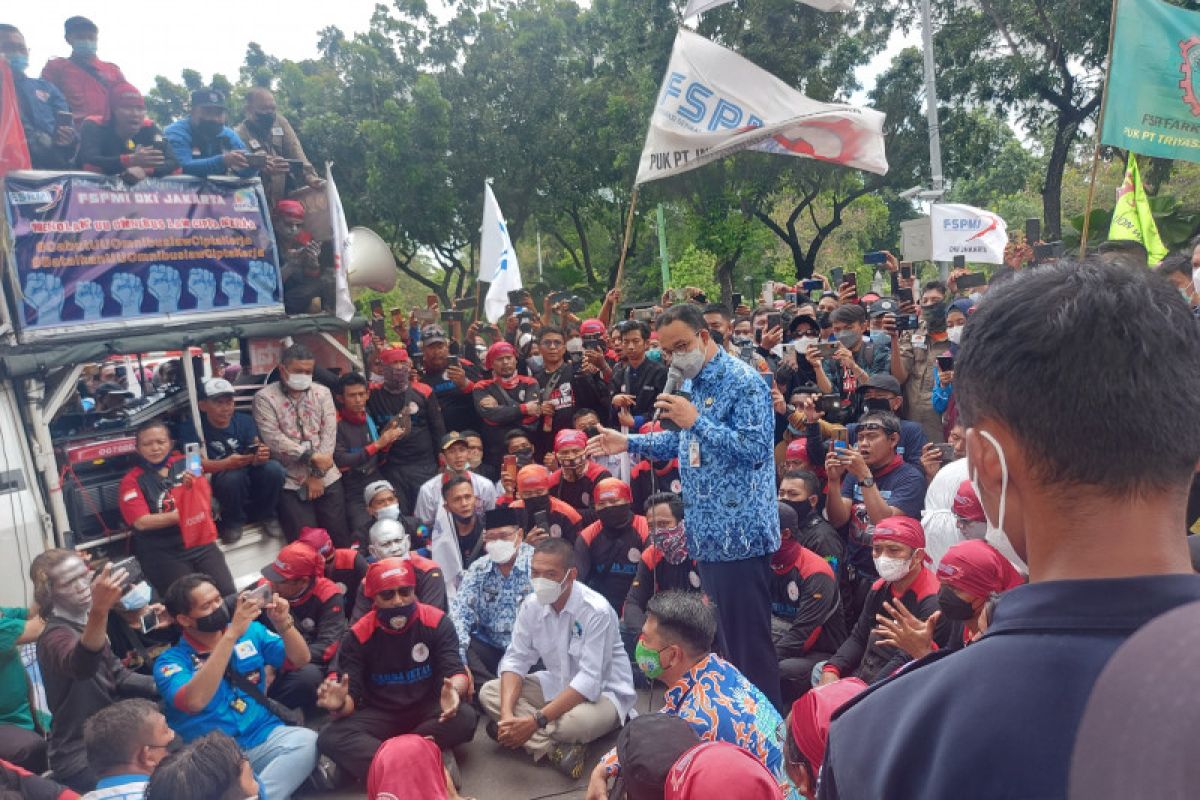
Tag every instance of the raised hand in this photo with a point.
(607, 443)
(332, 693)
(449, 700)
(202, 285)
(89, 297)
(166, 285)
(264, 279)
(127, 290)
(233, 287)
(44, 291)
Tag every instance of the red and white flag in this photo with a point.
(713, 103)
(695, 7)
(977, 234)
(14, 154)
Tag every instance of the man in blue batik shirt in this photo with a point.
(726, 464)
(484, 608)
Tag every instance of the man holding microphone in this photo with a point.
(724, 446)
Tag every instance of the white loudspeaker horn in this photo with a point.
(369, 261)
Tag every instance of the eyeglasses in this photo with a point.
(387, 595)
(875, 426)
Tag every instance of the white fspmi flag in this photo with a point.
(497, 259)
(341, 234)
(699, 6)
(713, 103)
(975, 233)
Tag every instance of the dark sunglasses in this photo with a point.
(387, 595)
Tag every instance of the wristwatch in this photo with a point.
(540, 719)
(868, 481)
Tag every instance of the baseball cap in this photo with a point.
(375, 487)
(296, 560)
(884, 382)
(318, 539)
(432, 334)
(452, 438)
(217, 387)
(884, 305)
(125, 95)
(389, 573)
(207, 97)
(647, 747)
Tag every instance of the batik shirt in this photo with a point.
(294, 424)
(721, 705)
(487, 601)
(726, 463)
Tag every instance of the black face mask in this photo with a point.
(215, 622)
(616, 517)
(395, 619)
(877, 404)
(524, 457)
(208, 130)
(934, 315)
(803, 508)
(717, 337)
(264, 120)
(537, 504)
(953, 606)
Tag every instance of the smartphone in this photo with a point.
(261, 594)
(875, 257)
(906, 270)
(377, 309)
(453, 361)
(835, 276)
(945, 363)
(464, 303)
(425, 315)
(895, 283)
(64, 119)
(826, 350)
(774, 320)
(769, 378)
(852, 282)
(191, 452)
(132, 567)
(737, 299)
(1033, 230)
(960, 262)
(397, 317)
(790, 298)
(541, 519)
(904, 296)
(767, 292)
(509, 466)
(431, 301)
(1041, 252)
(642, 314)
(378, 331)
(841, 436)
(148, 621)
(811, 285)
(945, 452)
(452, 316)
(908, 323)
(971, 280)
(256, 160)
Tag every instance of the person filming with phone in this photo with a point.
(217, 676)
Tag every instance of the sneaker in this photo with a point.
(451, 765)
(492, 729)
(272, 528)
(231, 534)
(568, 759)
(324, 777)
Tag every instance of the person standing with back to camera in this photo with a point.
(724, 445)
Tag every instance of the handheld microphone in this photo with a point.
(675, 379)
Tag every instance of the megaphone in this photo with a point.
(369, 261)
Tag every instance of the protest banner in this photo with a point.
(713, 103)
(89, 254)
(975, 233)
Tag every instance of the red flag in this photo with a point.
(14, 153)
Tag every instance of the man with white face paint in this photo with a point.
(1100, 566)
(391, 538)
(485, 607)
(898, 550)
(586, 688)
(298, 422)
(80, 672)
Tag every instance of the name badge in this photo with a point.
(694, 453)
(245, 649)
(277, 131)
(918, 342)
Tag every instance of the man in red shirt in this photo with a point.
(83, 79)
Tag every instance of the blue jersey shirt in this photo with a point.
(40, 102)
(222, 442)
(726, 463)
(230, 711)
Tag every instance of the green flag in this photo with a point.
(1132, 219)
(1153, 88)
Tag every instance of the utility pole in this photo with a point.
(931, 114)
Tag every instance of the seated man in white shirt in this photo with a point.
(456, 457)
(586, 689)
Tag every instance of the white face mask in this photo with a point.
(802, 344)
(501, 551)
(995, 534)
(954, 333)
(547, 591)
(390, 548)
(689, 362)
(892, 569)
(388, 512)
(299, 383)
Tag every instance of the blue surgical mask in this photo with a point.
(654, 354)
(19, 63)
(84, 47)
(137, 598)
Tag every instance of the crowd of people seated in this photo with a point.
(454, 547)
